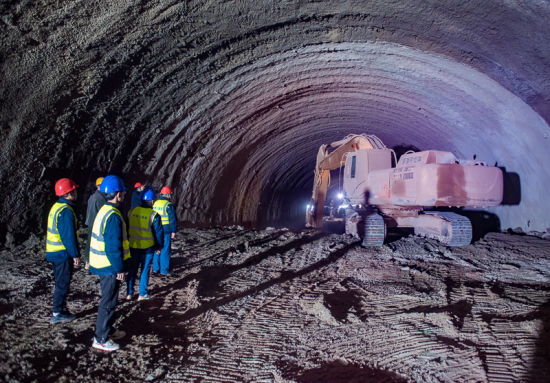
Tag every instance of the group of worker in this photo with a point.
(113, 249)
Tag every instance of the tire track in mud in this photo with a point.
(266, 324)
(308, 324)
(282, 306)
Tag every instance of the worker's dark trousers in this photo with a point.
(62, 274)
(107, 304)
(142, 260)
(88, 241)
(162, 262)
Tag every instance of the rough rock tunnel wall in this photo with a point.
(228, 101)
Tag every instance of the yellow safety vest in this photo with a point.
(160, 206)
(98, 257)
(53, 239)
(141, 223)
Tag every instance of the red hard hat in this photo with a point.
(138, 185)
(166, 190)
(64, 186)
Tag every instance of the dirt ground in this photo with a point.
(294, 306)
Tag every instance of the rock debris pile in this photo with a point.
(294, 306)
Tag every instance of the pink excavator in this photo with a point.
(379, 196)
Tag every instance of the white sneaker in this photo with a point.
(109, 345)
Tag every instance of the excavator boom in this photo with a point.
(327, 161)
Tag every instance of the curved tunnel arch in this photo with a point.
(408, 97)
(189, 93)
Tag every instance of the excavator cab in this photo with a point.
(358, 166)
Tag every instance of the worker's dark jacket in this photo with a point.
(158, 232)
(67, 232)
(136, 199)
(113, 246)
(172, 227)
(95, 202)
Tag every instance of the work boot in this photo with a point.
(62, 317)
(118, 334)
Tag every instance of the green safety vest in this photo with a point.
(98, 257)
(53, 239)
(160, 206)
(141, 223)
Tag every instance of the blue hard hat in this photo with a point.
(112, 184)
(148, 195)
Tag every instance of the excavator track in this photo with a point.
(375, 230)
(460, 233)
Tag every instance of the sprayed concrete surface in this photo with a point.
(285, 306)
(229, 101)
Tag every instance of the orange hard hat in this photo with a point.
(98, 181)
(64, 186)
(138, 185)
(166, 190)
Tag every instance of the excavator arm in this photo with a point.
(327, 161)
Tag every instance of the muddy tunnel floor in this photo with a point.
(294, 306)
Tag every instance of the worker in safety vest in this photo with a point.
(136, 195)
(146, 237)
(108, 251)
(62, 246)
(95, 202)
(165, 209)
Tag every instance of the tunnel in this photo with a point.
(228, 102)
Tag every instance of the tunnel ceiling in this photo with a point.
(228, 101)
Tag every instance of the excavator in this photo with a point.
(379, 196)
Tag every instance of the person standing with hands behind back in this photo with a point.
(62, 246)
(109, 249)
(163, 206)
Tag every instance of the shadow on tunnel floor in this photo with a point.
(337, 372)
(540, 368)
(210, 278)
